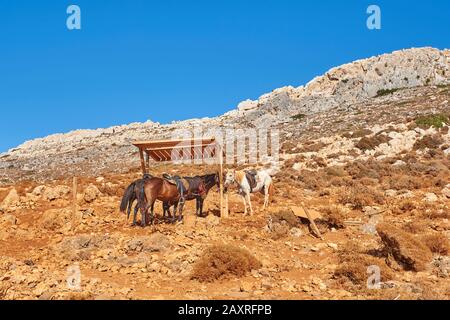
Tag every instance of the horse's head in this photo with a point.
(229, 178)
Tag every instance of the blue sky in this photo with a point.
(172, 60)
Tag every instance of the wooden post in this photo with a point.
(141, 154)
(313, 224)
(147, 162)
(74, 195)
(222, 214)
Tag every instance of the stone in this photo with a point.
(296, 232)
(430, 197)
(11, 200)
(153, 243)
(446, 191)
(212, 221)
(91, 193)
(55, 193)
(246, 286)
(247, 105)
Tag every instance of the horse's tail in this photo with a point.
(271, 192)
(140, 190)
(128, 195)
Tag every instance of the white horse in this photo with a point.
(262, 183)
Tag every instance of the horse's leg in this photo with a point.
(136, 209)
(201, 206)
(249, 203)
(180, 211)
(245, 204)
(197, 207)
(266, 197)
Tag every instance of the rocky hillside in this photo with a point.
(362, 85)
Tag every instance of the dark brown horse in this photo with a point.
(160, 189)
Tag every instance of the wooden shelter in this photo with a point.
(193, 150)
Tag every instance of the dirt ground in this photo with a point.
(44, 241)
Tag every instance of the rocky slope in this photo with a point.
(373, 166)
(92, 152)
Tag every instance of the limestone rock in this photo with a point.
(91, 193)
(11, 200)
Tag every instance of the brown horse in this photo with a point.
(160, 189)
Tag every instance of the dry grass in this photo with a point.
(360, 196)
(354, 264)
(286, 215)
(370, 143)
(428, 142)
(334, 217)
(437, 243)
(409, 252)
(223, 261)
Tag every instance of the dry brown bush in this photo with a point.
(354, 262)
(405, 206)
(370, 143)
(409, 252)
(222, 261)
(415, 227)
(335, 171)
(437, 243)
(334, 217)
(430, 142)
(360, 196)
(285, 215)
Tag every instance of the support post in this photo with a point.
(147, 162)
(223, 213)
(141, 154)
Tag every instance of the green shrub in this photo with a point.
(299, 116)
(433, 120)
(385, 92)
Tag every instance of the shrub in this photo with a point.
(221, 261)
(354, 263)
(361, 196)
(299, 116)
(433, 120)
(370, 143)
(385, 92)
(334, 217)
(409, 252)
(286, 215)
(430, 142)
(437, 243)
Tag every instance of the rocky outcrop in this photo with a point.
(95, 151)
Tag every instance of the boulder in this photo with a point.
(11, 200)
(431, 197)
(56, 193)
(247, 105)
(446, 191)
(91, 193)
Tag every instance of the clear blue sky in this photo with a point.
(169, 60)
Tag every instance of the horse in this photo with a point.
(163, 190)
(251, 181)
(131, 195)
(208, 181)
